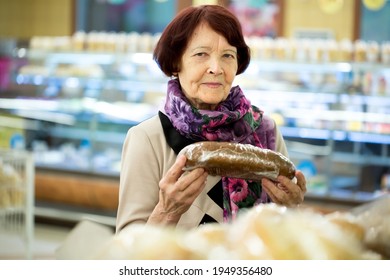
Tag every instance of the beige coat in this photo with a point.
(146, 158)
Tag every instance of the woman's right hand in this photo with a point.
(178, 190)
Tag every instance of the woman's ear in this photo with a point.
(176, 70)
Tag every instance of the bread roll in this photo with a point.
(236, 160)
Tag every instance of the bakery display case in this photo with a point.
(72, 109)
(77, 107)
(71, 102)
(334, 117)
(331, 101)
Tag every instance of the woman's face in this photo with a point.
(207, 69)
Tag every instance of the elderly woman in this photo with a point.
(202, 50)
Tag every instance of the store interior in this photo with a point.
(75, 75)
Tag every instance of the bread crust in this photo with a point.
(236, 160)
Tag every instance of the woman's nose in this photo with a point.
(215, 67)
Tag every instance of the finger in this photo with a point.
(273, 192)
(279, 187)
(195, 178)
(301, 181)
(284, 192)
(176, 169)
(273, 198)
(295, 196)
(196, 187)
(293, 185)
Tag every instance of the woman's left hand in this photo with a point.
(285, 191)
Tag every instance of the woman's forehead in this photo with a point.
(204, 33)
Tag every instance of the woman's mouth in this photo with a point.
(212, 85)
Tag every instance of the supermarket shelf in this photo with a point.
(158, 85)
(260, 66)
(337, 115)
(68, 167)
(363, 99)
(74, 57)
(339, 135)
(299, 148)
(343, 197)
(73, 216)
(67, 112)
(258, 96)
(360, 159)
(78, 133)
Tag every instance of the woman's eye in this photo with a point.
(200, 54)
(228, 55)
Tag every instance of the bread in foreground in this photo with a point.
(264, 232)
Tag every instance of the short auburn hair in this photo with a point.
(175, 37)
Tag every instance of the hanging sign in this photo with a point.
(330, 6)
(374, 4)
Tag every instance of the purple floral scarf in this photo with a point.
(234, 120)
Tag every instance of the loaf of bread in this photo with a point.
(236, 160)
